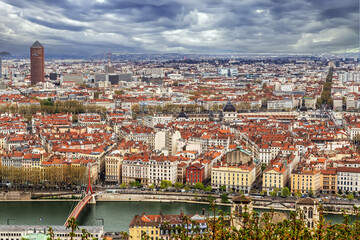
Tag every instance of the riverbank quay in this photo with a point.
(332, 206)
(28, 195)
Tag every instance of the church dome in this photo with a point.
(182, 114)
(229, 107)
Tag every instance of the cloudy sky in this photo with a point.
(86, 27)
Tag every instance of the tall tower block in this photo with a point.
(37, 63)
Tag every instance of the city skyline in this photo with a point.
(82, 28)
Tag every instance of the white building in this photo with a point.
(151, 121)
(233, 71)
(18, 232)
(350, 102)
(160, 140)
(337, 103)
(167, 141)
(348, 179)
(162, 168)
(265, 154)
(135, 169)
(280, 104)
(349, 76)
(223, 72)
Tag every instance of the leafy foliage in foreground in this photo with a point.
(262, 228)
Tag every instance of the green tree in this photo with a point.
(152, 186)
(297, 194)
(263, 192)
(165, 184)
(85, 235)
(178, 185)
(124, 235)
(326, 91)
(74, 118)
(274, 193)
(211, 198)
(199, 186)
(244, 106)
(254, 227)
(208, 188)
(135, 184)
(224, 198)
(319, 102)
(350, 196)
(285, 192)
(47, 102)
(222, 188)
(311, 192)
(51, 233)
(135, 108)
(119, 92)
(73, 225)
(123, 185)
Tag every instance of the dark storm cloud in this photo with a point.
(144, 11)
(55, 25)
(303, 26)
(342, 12)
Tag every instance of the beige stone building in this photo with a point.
(239, 178)
(275, 176)
(304, 179)
(113, 168)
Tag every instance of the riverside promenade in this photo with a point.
(335, 206)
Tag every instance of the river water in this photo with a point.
(116, 215)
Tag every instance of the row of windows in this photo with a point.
(225, 173)
(273, 177)
(271, 181)
(10, 234)
(198, 174)
(193, 179)
(347, 174)
(349, 188)
(242, 179)
(347, 183)
(226, 183)
(302, 184)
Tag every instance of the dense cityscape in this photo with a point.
(199, 129)
(160, 120)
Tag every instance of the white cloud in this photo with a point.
(329, 37)
(90, 26)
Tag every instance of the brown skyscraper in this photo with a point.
(37, 63)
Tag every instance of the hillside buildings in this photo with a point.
(248, 125)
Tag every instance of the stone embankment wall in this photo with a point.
(14, 196)
(157, 197)
(289, 204)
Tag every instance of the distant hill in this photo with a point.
(4, 54)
